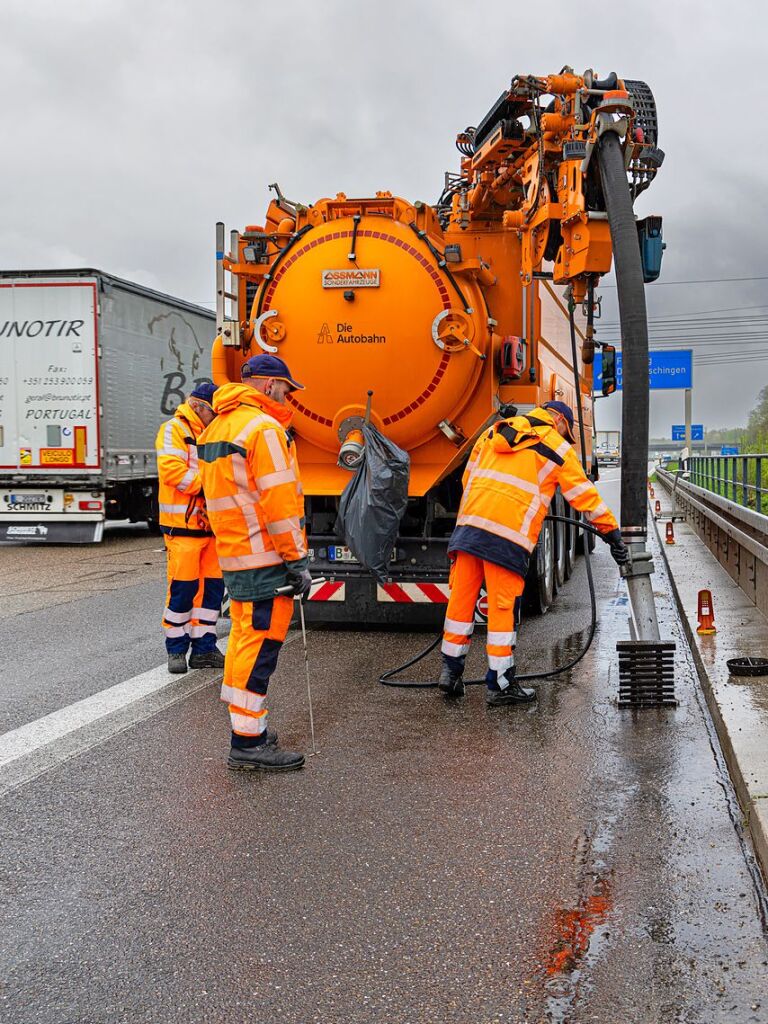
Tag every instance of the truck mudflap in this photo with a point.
(51, 533)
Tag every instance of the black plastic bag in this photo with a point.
(373, 502)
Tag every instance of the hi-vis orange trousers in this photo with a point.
(195, 593)
(504, 589)
(257, 634)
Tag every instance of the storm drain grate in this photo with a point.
(646, 674)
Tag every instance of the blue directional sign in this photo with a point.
(729, 449)
(666, 370)
(697, 432)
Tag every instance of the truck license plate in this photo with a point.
(340, 554)
(32, 501)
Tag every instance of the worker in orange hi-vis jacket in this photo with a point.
(509, 482)
(195, 586)
(256, 508)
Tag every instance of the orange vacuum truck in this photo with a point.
(432, 320)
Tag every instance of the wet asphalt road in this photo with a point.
(434, 863)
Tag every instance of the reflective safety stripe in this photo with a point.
(455, 650)
(530, 515)
(244, 497)
(492, 527)
(276, 452)
(601, 508)
(173, 509)
(170, 616)
(255, 421)
(459, 628)
(176, 630)
(500, 639)
(501, 681)
(581, 488)
(255, 561)
(201, 630)
(284, 525)
(186, 480)
(243, 698)
(545, 470)
(248, 725)
(176, 452)
(508, 478)
(206, 614)
(500, 663)
(285, 476)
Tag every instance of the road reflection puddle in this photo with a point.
(581, 932)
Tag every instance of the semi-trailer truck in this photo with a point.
(89, 366)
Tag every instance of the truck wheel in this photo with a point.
(572, 536)
(540, 582)
(560, 531)
(154, 527)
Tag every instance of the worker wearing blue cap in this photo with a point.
(255, 501)
(195, 584)
(510, 480)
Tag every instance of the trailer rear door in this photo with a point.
(49, 397)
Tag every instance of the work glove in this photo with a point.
(299, 579)
(619, 551)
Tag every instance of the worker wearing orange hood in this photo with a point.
(256, 509)
(195, 587)
(509, 482)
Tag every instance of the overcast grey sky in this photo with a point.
(131, 127)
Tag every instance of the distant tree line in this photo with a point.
(752, 438)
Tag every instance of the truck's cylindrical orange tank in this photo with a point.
(349, 326)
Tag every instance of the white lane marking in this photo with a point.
(30, 737)
(37, 747)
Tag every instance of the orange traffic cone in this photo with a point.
(658, 507)
(706, 614)
(670, 538)
(652, 491)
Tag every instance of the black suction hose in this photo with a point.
(387, 678)
(634, 337)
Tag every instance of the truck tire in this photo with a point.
(540, 582)
(561, 531)
(572, 538)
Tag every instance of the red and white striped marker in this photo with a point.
(413, 593)
(327, 591)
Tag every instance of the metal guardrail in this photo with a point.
(739, 478)
(697, 498)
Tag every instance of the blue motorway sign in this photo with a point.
(729, 449)
(666, 369)
(697, 432)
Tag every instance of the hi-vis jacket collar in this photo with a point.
(522, 431)
(185, 412)
(230, 396)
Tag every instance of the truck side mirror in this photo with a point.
(609, 369)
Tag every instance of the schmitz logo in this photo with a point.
(26, 531)
(351, 278)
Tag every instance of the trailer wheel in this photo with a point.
(540, 582)
(561, 531)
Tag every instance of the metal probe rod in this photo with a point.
(284, 592)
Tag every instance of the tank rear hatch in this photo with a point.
(361, 304)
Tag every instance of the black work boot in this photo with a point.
(206, 659)
(267, 757)
(451, 682)
(177, 663)
(513, 694)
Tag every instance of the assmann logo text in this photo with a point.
(345, 335)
